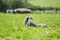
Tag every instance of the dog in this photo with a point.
(30, 22)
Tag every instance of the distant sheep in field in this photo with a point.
(22, 10)
(10, 11)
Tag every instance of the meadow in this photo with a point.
(12, 27)
(45, 3)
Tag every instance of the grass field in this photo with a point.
(12, 28)
(45, 3)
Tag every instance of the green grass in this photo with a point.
(45, 3)
(12, 28)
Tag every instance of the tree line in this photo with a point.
(12, 4)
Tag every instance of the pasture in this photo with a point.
(45, 3)
(12, 28)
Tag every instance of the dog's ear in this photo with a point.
(26, 20)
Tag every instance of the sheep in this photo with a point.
(22, 10)
(9, 11)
